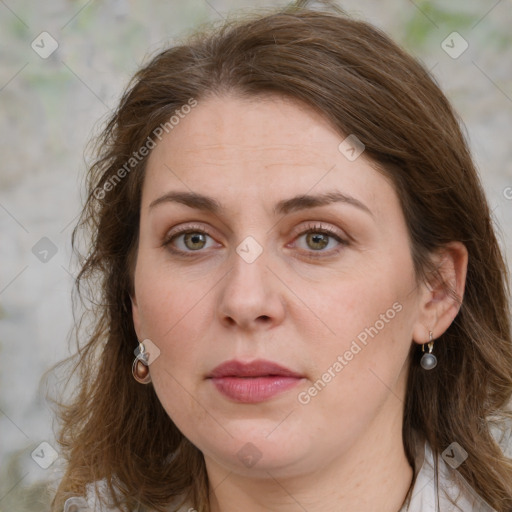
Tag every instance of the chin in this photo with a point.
(257, 454)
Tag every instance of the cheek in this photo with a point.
(369, 315)
(350, 303)
(170, 306)
(174, 316)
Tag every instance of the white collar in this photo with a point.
(426, 496)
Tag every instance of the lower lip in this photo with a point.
(252, 390)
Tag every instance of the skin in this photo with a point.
(343, 450)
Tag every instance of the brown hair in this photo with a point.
(364, 84)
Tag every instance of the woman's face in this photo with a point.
(261, 238)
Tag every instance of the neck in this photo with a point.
(373, 474)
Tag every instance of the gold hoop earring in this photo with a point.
(140, 366)
(428, 360)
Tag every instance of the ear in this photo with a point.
(437, 307)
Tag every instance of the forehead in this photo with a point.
(259, 147)
(269, 125)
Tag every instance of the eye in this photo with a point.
(194, 241)
(320, 239)
(317, 241)
(189, 240)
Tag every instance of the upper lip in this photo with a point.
(257, 368)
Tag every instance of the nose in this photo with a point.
(250, 296)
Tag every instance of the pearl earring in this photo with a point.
(428, 360)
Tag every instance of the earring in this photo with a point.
(76, 504)
(140, 366)
(428, 360)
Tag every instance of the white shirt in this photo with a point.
(427, 497)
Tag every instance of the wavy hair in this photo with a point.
(115, 430)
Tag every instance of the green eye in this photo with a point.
(317, 241)
(194, 241)
(320, 240)
(189, 241)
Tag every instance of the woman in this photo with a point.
(303, 302)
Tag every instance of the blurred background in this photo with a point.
(63, 66)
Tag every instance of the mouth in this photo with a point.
(252, 382)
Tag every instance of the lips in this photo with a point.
(252, 382)
(258, 368)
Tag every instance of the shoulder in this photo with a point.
(439, 490)
(444, 489)
(92, 501)
(501, 430)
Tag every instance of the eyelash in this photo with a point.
(317, 228)
(183, 231)
(311, 228)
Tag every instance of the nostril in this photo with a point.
(230, 320)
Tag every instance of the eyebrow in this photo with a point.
(297, 203)
(305, 201)
(191, 199)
